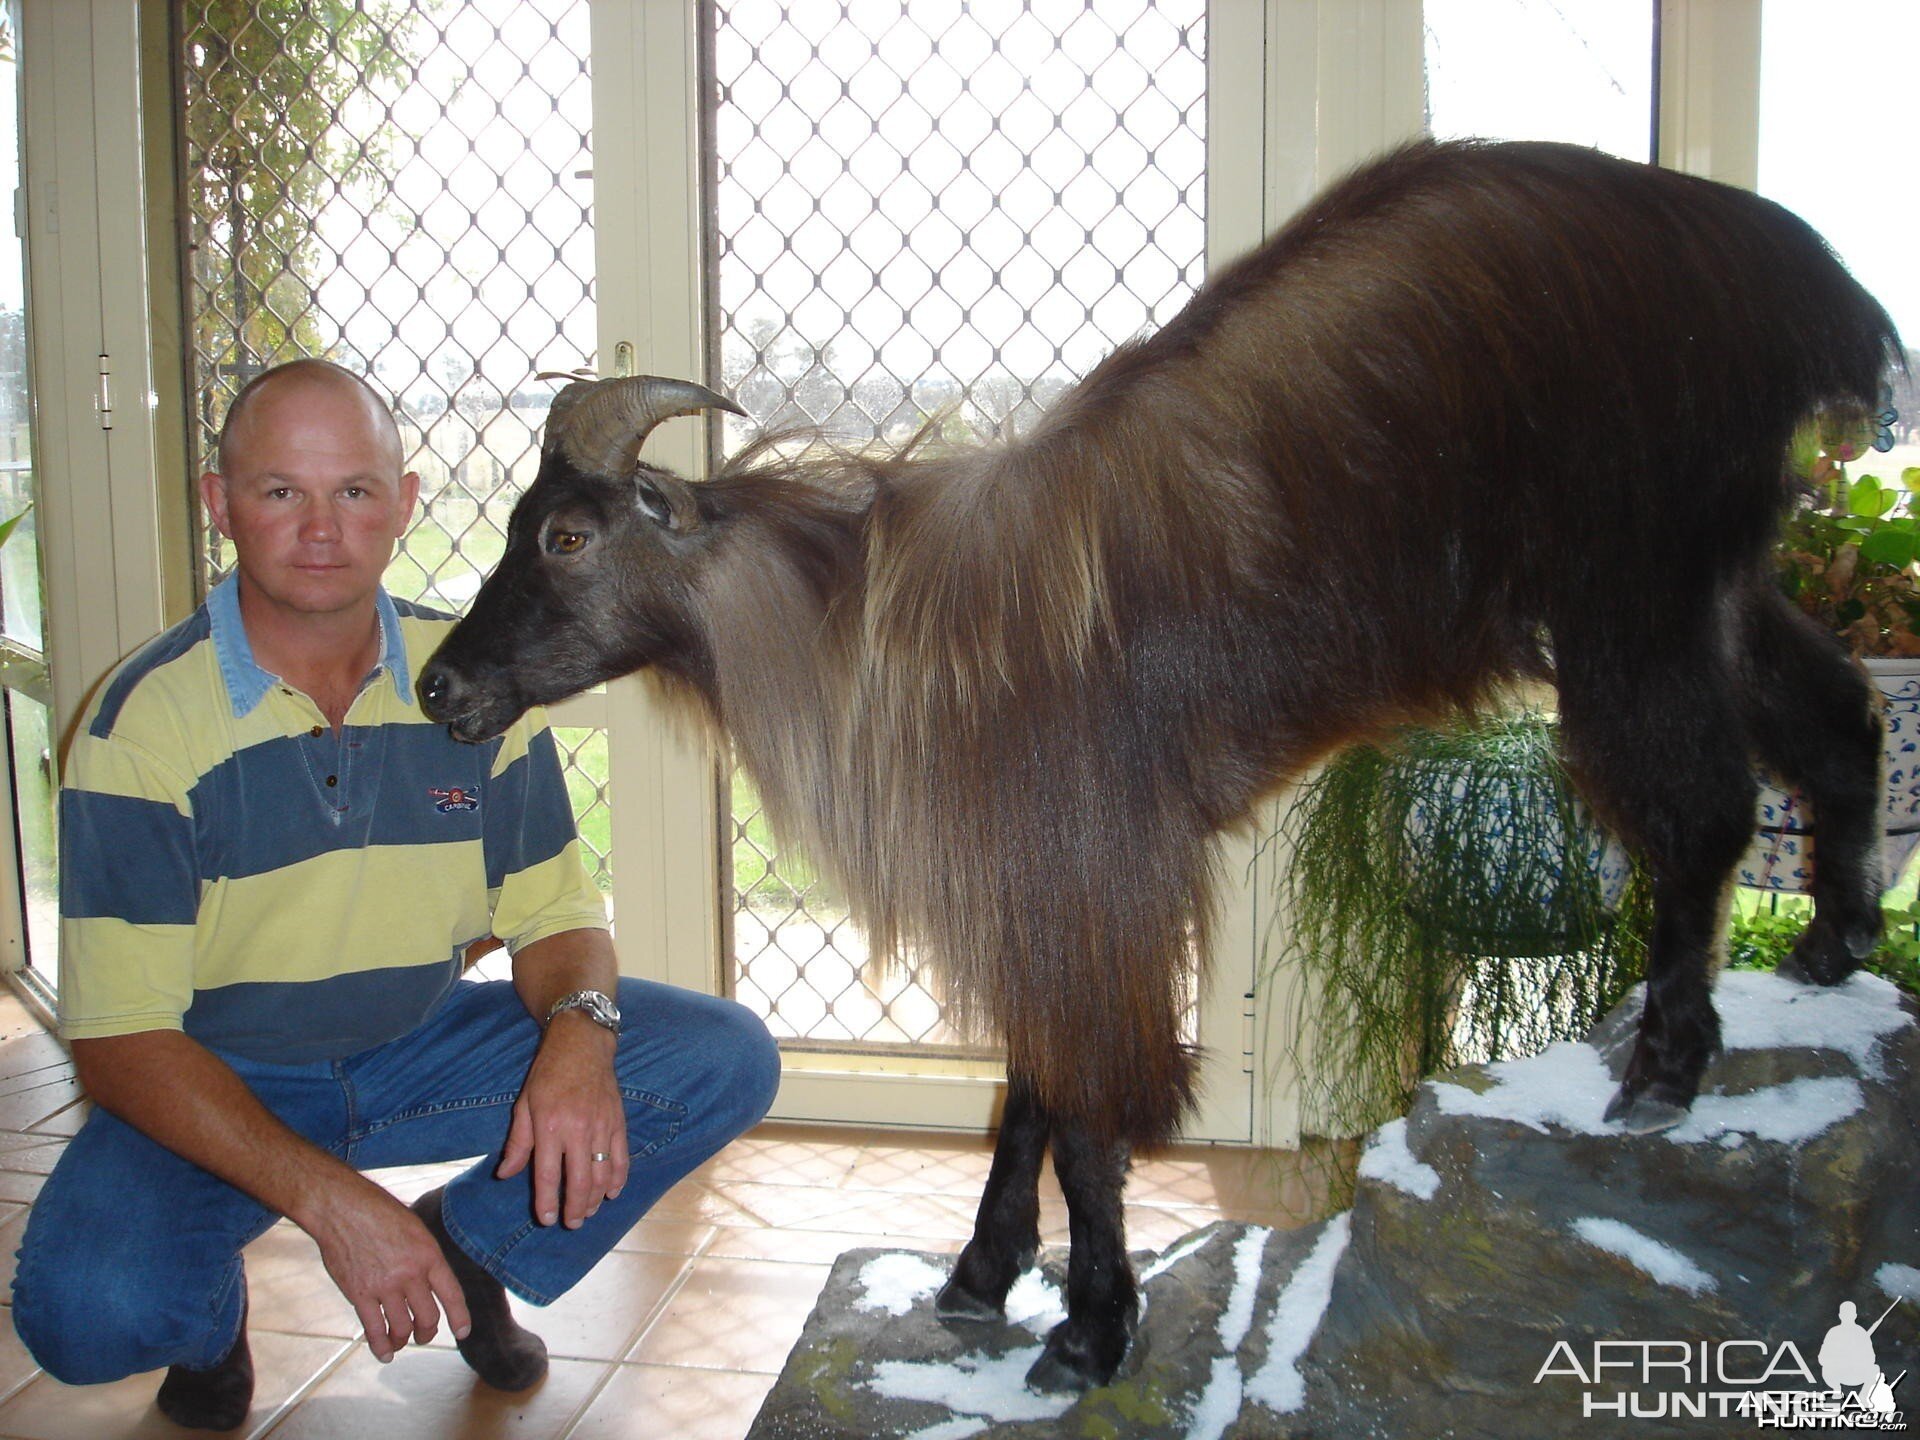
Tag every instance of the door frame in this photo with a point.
(649, 221)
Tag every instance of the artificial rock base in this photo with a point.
(1512, 1267)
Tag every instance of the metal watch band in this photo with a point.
(594, 1004)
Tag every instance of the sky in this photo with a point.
(1836, 111)
(1836, 135)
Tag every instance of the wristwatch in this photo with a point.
(595, 1006)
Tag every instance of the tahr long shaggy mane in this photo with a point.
(1480, 411)
(1008, 697)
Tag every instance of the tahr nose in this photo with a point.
(435, 688)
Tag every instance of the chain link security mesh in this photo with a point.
(930, 207)
(405, 189)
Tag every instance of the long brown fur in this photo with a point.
(1014, 722)
(1479, 412)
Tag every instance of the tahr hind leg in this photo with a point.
(1006, 1230)
(1815, 724)
(1103, 1302)
(1655, 733)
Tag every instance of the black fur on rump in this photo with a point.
(1481, 411)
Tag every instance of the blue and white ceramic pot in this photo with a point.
(1528, 886)
(1781, 856)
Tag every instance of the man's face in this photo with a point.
(312, 497)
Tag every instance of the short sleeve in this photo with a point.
(129, 891)
(536, 880)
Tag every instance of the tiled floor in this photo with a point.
(678, 1333)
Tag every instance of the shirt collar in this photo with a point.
(248, 684)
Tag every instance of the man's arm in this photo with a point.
(570, 1108)
(181, 1095)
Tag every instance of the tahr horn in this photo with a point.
(600, 425)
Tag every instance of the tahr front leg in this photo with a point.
(1103, 1302)
(1006, 1231)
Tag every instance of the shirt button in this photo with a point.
(316, 732)
(332, 780)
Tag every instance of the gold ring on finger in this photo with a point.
(601, 1156)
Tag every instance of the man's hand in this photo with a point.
(186, 1098)
(389, 1267)
(570, 1111)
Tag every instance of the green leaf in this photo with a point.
(1898, 547)
(8, 526)
(1910, 477)
(1869, 498)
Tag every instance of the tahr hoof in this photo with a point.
(956, 1302)
(1827, 953)
(1644, 1114)
(1072, 1361)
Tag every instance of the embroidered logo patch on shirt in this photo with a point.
(447, 801)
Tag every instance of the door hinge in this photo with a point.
(1247, 1012)
(104, 400)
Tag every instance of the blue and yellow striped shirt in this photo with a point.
(232, 868)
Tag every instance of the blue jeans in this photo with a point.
(131, 1258)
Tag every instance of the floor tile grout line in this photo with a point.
(314, 1381)
(678, 1283)
(32, 1376)
(609, 1369)
(668, 1296)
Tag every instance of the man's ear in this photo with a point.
(213, 495)
(409, 496)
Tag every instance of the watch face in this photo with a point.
(597, 1007)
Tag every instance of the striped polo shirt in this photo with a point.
(231, 867)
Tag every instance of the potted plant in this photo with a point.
(1848, 558)
(1447, 898)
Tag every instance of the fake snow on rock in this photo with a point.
(896, 1283)
(961, 1428)
(1178, 1253)
(1643, 1252)
(1391, 1161)
(1761, 1011)
(1219, 1403)
(1566, 1084)
(1788, 1114)
(1296, 1317)
(1036, 1303)
(980, 1387)
(1902, 1282)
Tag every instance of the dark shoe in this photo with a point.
(497, 1348)
(216, 1399)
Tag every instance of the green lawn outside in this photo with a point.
(777, 886)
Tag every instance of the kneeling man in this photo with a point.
(273, 865)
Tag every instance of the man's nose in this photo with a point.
(321, 523)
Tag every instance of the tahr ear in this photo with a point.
(600, 425)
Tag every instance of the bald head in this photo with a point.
(299, 389)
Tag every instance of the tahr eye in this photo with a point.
(655, 504)
(566, 542)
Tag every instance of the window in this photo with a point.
(1574, 70)
(920, 207)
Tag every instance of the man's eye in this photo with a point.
(566, 542)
